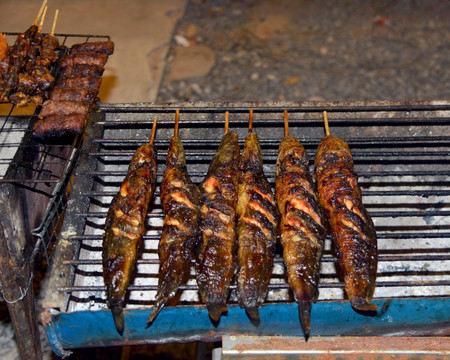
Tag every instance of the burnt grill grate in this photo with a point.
(401, 153)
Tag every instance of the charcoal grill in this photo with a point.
(401, 152)
(34, 183)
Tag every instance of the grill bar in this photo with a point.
(401, 155)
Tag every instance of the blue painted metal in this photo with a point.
(411, 316)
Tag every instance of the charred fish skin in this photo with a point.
(125, 228)
(257, 229)
(352, 229)
(180, 199)
(302, 225)
(215, 251)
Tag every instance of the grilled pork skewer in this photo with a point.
(215, 258)
(257, 227)
(302, 225)
(125, 227)
(351, 227)
(180, 199)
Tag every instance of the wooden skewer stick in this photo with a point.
(325, 120)
(177, 119)
(54, 22)
(250, 121)
(286, 124)
(36, 20)
(152, 138)
(227, 114)
(42, 19)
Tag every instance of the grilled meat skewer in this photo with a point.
(215, 258)
(103, 47)
(180, 199)
(257, 228)
(352, 229)
(302, 225)
(125, 227)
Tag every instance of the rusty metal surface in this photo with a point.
(333, 348)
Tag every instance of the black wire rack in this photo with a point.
(401, 153)
(42, 168)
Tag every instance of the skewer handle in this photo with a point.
(152, 138)
(42, 19)
(177, 119)
(227, 116)
(286, 123)
(325, 120)
(54, 22)
(36, 20)
(250, 121)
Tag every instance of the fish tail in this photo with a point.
(215, 310)
(155, 311)
(253, 313)
(362, 304)
(304, 312)
(117, 313)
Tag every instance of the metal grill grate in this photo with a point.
(401, 153)
(41, 168)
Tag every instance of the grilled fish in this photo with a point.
(215, 258)
(302, 226)
(352, 229)
(180, 199)
(257, 228)
(125, 228)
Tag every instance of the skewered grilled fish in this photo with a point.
(257, 228)
(180, 200)
(302, 226)
(125, 228)
(352, 229)
(215, 256)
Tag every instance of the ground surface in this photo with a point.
(299, 50)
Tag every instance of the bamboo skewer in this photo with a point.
(227, 114)
(43, 6)
(54, 22)
(152, 138)
(250, 121)
(325, 120)
(286, 124)
(177, 119)
(42, 19)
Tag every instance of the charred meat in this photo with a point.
(351, 227)
(257, 228)
(180, 199)
(125, 228)
(215, 252)
(302, 226)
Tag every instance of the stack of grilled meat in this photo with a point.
(75, 91)
(229, 224)
(25, 70)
